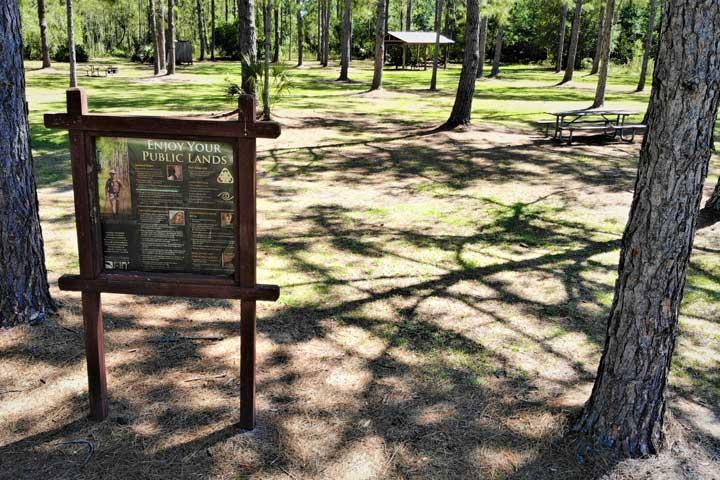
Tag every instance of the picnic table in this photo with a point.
(610, 122)
(100, 70)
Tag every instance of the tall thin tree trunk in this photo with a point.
(201, 28)
(387, 16)
(462, 107)
(71, 43)
(598, 46)
(226, 11)
(267, 20)
(320, 17)
(44, 48)
(627, 407)
(648, 44)
(446, 30)
(326, 34)
(156, 47)
(212, 30)
(436, 52)
(160, 32)
(482, 45)
(171, 38)
(408, 28)
(276, 26)
(24, 293)
(300, 33)
(561, 36)
(498, 51)
(248, 45)
(574, 40)
(379, 45)
(346, 41)
(604, 55)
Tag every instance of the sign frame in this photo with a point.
(93, 280)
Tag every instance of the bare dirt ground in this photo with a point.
(442, 314)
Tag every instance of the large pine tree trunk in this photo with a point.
(346, 41)
(171, 37)
(482, 45)
(24, 293)
(598, 46)
(498, 51)
(71, 43)
(574, 40)
(462, 107)
(300, 33)
(604, 55)
(436, 52)
(379, 46)
(561, 37)
(153, 29)
(267, 21)
(248, 46)
(44, 48)
(648, 44)
(627, 405)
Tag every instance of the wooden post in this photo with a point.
(83, 171)
(245, 267)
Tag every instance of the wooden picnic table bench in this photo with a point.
(610, 122)
(92, 70)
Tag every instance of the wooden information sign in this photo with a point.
(164, 206)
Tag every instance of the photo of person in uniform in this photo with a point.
(176, 217)
(228, 257)
(226, 219)
(113, 187)
(175, 173)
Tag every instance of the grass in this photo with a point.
(443, 297)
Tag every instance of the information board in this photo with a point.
(166, 205)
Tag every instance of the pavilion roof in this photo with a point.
(415, 38)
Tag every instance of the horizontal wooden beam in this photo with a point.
(174, 285)
(146, 125)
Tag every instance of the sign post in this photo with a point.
(165, 206)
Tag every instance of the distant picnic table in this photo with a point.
(610, 122)
(100, 70)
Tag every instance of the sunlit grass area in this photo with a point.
(443, 302)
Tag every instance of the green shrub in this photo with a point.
(586, 63)
(227, 40)
(62, 54)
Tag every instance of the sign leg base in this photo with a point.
(95, 353)
(247, 364)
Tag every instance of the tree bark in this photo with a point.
(574, 40)
(300, 33)
(446, 29)
(153, 29)
(498, 51)
(160, 32)
(71, 43)
(379, 46)
(346, 41)
(482, 48)
(604, 55)
(627, 406)
(462, 107)
(276, 26)
(212, 30)
(267, 20)
(248, 46)
(408, 28)
(326, 34)
(598, 46)
(648, 44)
(171, 38)
(201, 28)
(436, 52)
(561, 37)
(44, 48)
(24, 293)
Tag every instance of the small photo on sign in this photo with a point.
(175, 173)
(228, 257)
(176, 217)
(113, 177)
(226, 219)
